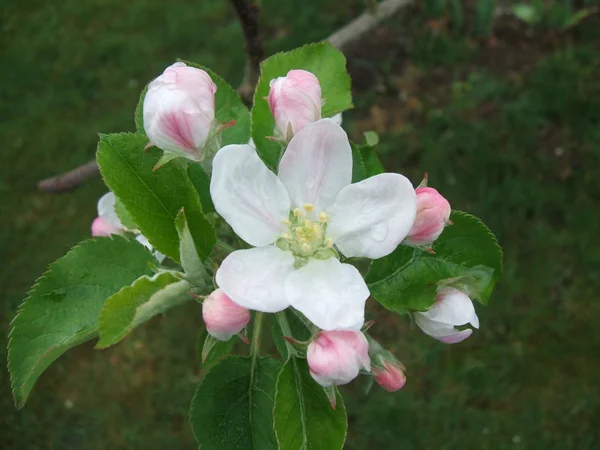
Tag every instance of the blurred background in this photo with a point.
(498, 102)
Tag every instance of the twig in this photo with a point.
(71, 179)
(365, 23)
(247, 11)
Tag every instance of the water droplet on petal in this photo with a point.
(380, 232)
(190, 107)
(170, 76)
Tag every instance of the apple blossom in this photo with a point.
(391, 376)
(179, 110)
(223, 318)
(433, 214)
(336, 357)
(299, 218)
(295, 101)
(452, 308)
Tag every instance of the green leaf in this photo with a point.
(190, 253)
(201, 181)
(365, 162)
(153, 198)
(233, 405)
(466, 251)
(211, 350)
(139, 113)
(124, 215)
(228, 107)
(304, 418)
(326, 63)
(137, 303)
(62, 309)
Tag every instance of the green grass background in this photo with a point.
(509, 132)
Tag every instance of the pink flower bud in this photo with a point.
(223, 317)
(336, 357)
(179, 110)
(433, 213)
(103, 228)
(452, 308)
(295, 101)
(391, 377)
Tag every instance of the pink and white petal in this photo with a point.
(248, 195)
(441, 331)
(455, 309)
(330, 294)
(456, 336)
(372, 217)
(255, 278)
(102, 228)
(106, 210)
(317, 164)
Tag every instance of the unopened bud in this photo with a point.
(452, 308)
(223, 317)
(295, 101)
(336, 357)
(179, 110)
(433, 214)
(390, 377)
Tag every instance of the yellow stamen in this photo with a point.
(329, 242)
(285, 221)
(285, 236)
(323, 217)
(297, 212)
(309, 206)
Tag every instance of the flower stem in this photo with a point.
(286, 330)
(225, 246)
(256, 335)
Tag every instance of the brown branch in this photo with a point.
(71, 179)
(365, 23)
(247, 11)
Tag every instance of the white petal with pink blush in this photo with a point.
(452, 308)
(300, 219)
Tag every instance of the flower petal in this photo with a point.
(372, 217)
(455, 308)
(248, 195)
(441, 331)
(317, 164)
(255, 278)
(330, 294)
(106, 210)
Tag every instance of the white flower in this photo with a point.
(296, 219)
(452, 308)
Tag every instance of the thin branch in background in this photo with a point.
(247, 12)
(365, 23)
(71, 179)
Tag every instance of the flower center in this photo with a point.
(307, 238)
